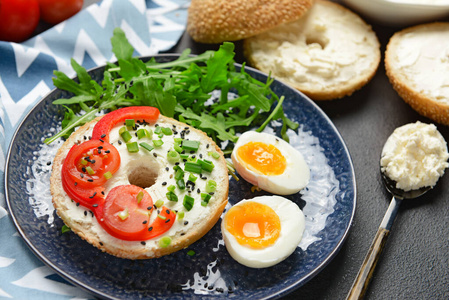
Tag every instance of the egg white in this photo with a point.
(292, 229)
(295, 177)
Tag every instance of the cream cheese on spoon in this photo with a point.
(415, 156)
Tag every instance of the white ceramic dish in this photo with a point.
(401, 12)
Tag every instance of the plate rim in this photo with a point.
(286, 290)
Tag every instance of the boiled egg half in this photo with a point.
(262, 231)
(270, 163)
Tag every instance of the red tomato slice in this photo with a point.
(87, 163)
(92, 199)
(142, 113)
(128, 219)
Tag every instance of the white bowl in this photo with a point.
(401, 12)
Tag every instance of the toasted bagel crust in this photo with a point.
(211, 21)
(429, 101)
(89, 228)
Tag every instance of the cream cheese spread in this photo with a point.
(151, 170)
(422, 59)
(324, 48)
(415, 156)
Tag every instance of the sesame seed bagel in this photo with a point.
(328, 53)
(150, 170)
(417, 65)
(211, 21)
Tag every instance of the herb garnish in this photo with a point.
(179, 89)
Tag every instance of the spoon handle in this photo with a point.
(366, 271)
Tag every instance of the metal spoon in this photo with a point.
(366, 271)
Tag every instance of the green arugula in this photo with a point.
(181, 88)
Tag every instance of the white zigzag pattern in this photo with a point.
(140, 5)
(61, 64)
(85, 44)
(4, 294)
(100, 13)
(24, 57)
(136, 41)
(165, 7)
(166, 25)
(40, 90)
(35, 279)
(5, 261)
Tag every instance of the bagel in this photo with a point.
(417, 65)
(328, 53)
(211, 21)
(153, 172)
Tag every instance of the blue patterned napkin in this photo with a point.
(26, 72)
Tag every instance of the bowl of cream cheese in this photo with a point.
(401, 12)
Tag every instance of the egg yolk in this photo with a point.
(262, 158)
(253, 224)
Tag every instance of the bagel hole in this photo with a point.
(316, 40)
(143, 177)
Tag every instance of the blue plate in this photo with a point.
(328, 203)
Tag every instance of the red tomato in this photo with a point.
(56, 11)
(127, 217)
(94, 157)
(18, 19)
(141, 113)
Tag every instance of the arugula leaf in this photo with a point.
(120, 45)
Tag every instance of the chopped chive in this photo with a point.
(139, 197)
(123, 214)
(190, 145)
(149, 133)
(206, 165)
(107, 175)
(192, 177)
(171, 188)
(177, 148)
(214, 154)
(141, 133)
(158, 143)
(130, 123)
(193, 167)
(188, 202)
(158, 130)
(211, 186)
(172, 196)
(159, 203)
(181, 184)
(90, 171)
(146, 146)
(179, 174)
(180, 215)
(164, 242)
(205, 197)
(178, 140)
(83, 162)
(132, 147)
(161, 217)
(126, 136)
(191, 253)
(173, 156)
(167, 131)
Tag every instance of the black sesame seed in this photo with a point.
(85, 213)
(101, 140)
(207, 146)
(93, 160)
(198, 191)
(90, 180)
(101, 244)
(149, 207)
(100, 147)
(154, 154)
(93, 195)
(107, 151)
(76, 183)
(48, 163)
(77, 204)
(168, 220)
(164, 183)
(167, 211)
(143, 243)
(95, 205)
(83, 169)
(186, 222)
(151, 228)
(81, 175)
(201, 155)
(144, 222)
(167, 168)
(119, 142)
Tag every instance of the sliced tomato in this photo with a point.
(55, 11)
(142, 113)
(127, 217)
(92, 198)
(18, 19)
(87, 163)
